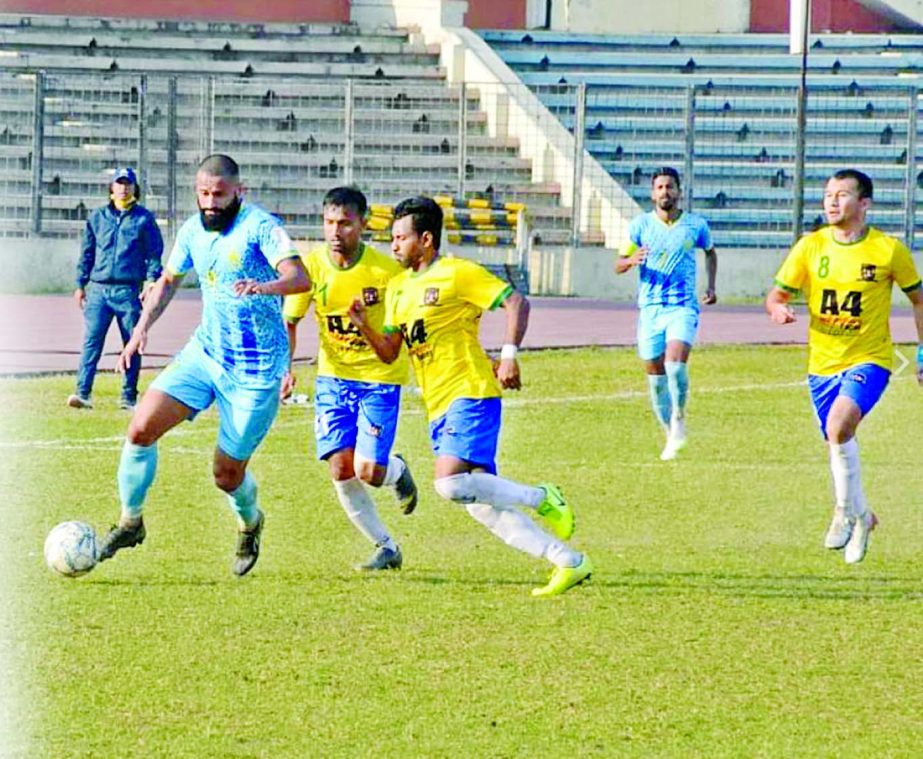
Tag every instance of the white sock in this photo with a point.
(480, 487)
(519, 531)
(396, 468)
(660, 398)
(847, 477)
(360, 509)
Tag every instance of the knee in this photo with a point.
(139, 433)
(369, 472)
(456, 487)
(341, 468)
(227, 476)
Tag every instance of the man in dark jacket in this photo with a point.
(120, 250)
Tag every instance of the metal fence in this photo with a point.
(61, 135)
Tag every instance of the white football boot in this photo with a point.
(859, 540)
(841, 527)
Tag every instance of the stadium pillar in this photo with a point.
(38, 150)
(910, 179)
(799, 28)
(462, 137)
(142, 133)
(689, 162)
(171, 158)
(579, 137)
(349, 136)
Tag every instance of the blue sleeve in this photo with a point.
(87, 253)
(704, 241)
(634, 230)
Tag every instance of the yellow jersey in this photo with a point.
(438, 313)
(848, 289)
(343, 352)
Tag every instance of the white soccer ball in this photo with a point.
(70, 549)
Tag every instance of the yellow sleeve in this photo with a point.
(630, 247)
(905, 272)
(793, 273)
(476, 285)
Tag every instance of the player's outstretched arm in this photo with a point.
(156, 302)
(711, 274)
(517, 321)
(288, 381)
(386, 346)
(916, 299)
(777, 306)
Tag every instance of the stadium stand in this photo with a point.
(302, 107)
(743, 92)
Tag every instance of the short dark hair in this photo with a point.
(220, 165)
(666, 171)
(426, 214)
(863, 181)
(347, 197)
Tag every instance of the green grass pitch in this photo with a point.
(715, 624)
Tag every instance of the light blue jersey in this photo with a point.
(244, 334)
(667, 276)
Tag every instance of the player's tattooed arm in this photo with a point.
(517, 320)
(156, 302)
(293, 278)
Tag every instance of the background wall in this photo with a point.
(496, 14)
(826, 16)
(627, 16)
(320, 11)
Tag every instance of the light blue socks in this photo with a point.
(660, 398)
(243, 502)
(678, 382)
(137, 468)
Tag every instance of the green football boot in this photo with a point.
(557, 514)
(565, 578)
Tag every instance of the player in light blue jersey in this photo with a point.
(663, 244)
(236, 358)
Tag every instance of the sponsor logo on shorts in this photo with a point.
(858, 377)
(374, 430)
(431, 296)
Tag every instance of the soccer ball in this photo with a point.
(70, 549)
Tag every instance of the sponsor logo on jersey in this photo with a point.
(431, 296)
(867, 272)
(370, 296)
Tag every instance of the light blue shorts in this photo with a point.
(469, 430)
(659, 325)
(358, 415)
(244, 414)
(864, 384)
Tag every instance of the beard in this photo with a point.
(218, 221)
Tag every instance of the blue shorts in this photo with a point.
(245, 414)
(469, 430)
(357, 415)
(659, 325)
(863, 383)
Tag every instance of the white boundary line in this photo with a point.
(103, 443)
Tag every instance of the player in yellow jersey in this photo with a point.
(435, 307)
(847, 271)
(356, 395)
